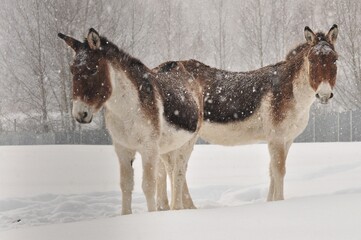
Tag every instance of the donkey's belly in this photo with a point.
(234, 133)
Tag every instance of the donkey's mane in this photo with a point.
(114, 53)
(295, 51)
(301, 48)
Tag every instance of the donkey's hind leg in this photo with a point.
(162, 197)
(125, 157)
(175, 163)
(180, 194)
(278, 151)
(166, 166)
(186, 196)
(150, 158)
(187, 199)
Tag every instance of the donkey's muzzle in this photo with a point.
(324, 97)
(84, 117)
(82, 112)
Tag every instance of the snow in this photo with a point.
(71, 192)
(324, 48)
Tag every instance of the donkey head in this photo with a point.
(321, 58)
(91, 82)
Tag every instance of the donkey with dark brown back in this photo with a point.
(270, 104)
(146, 112)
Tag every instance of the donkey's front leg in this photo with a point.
(278, 151)
(149, 159)
(125, 157)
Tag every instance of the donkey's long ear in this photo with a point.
(332, 34)
(93, 39)
(73, 43)
(309, 35)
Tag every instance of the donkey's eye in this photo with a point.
(92, 70)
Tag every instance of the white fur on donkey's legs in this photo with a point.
(180, 194)
(125, 157)
(174, 166)
(175, 163)
(278, 151)
(178, 179)
(168, 163)
(149, 160)
(186, 153)
(187, 199)
(162, 198)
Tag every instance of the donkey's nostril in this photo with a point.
(317, 95)
(85, 114)
(331, 96)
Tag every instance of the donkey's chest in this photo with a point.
(129, 130)
(134, 131)
(293, 125)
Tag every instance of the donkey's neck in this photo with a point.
(124, 98)
(121, 61)
(303, 93)
(119, 58)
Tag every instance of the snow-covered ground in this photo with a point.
(71, 192)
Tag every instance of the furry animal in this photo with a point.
(270, 104)
(151, 113)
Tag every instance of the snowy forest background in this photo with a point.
(35, 81)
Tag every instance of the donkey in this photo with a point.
(270, 104)
(146, 112)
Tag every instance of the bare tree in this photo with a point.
(62, 18)
(348, 13)
(221, 36)
(198, 45)
(181, 35)
(281, 33)
(29, 68)
(254, 30)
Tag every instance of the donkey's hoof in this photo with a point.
(177, 207)
(163, 208)
(190, 207)
(126, 212)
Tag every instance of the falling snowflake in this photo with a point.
(222, 98)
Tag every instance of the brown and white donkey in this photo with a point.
(270, 104)
(146, 112)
